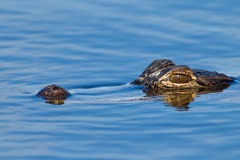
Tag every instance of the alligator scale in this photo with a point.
(162, 77)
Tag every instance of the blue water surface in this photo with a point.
(94, 49)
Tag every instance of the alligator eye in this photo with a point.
(179, 78)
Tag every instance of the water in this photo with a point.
(94, 49)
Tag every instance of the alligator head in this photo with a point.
(164, 74)
(179, 84)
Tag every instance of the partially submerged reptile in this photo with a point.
(178, 83)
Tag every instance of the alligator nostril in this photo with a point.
(53, 94)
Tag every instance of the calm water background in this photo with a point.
(94, 48)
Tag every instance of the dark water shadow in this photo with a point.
(91, 86)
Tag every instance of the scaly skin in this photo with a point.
(162, 77)
(164, 74)
(53, 94)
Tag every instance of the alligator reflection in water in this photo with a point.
(177, 98)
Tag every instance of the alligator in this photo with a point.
(178, 83)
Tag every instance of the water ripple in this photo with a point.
(95, 49)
